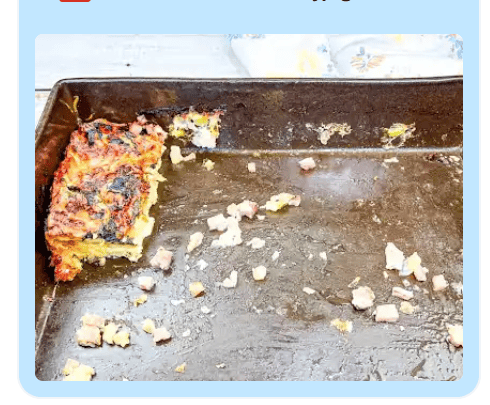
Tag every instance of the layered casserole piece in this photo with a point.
(102, 194)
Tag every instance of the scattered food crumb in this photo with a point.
(195, 241)
(386, 313)
(259, 273)
(342, 326)
(406, 283)
(244, 209)
(260, 217)
(402, 293)
(363, 298)
(307, 164)
(181, 368)
(162, 259)
(202, 264)
(252, 168)
(420, 273)
(93, 320)
(146, 283)
(148, 326)
(402, 328)
(208, 164)
(407, 308)
(177, 302)
(394, 257)
(392, 160)
(161, 334)
(323, 255)
(89, 336)
(455, 335)
(354, 282)
(439, 283)
(186, 333)
(109, 332)
(376, 219)
(275, 255)
(140, 300)
(310, 257)
(222, 365)
(74, 371)
(256, 243)
(309, 290)
(232, 237)
(205, 310)
(281, 200)
(196, 288)
(121, 339)
(385, 275)
(410, 265)
(218, 223)
(176, 155)
(231, 281)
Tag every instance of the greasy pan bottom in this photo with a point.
(272, 330)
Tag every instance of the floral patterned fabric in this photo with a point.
(348, 56)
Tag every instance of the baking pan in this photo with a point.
(353, 203)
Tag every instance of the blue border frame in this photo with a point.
(357, 16)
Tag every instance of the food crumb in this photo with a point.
(176, 155)
(307, 164)
(205, 310)
(252, 168)
(342, 326)
(281, 200)
(231, 281)
(162, 259)
(407, 308)
(363, 298)
(148, 326)
(195, 241)
(186, 333)
(394, 257)
(455, 335)
(140, 300)
(161, 334)
(93, 320)
(208, 164)
(309, 290)
(146, 283)
(354, 282)
(439, 283)
(89, 336)
(386, 313)
(181, 368)
(109, 332)
(74, 371)
(196, 288)
(259, 273)
(402, 293)
(218, 223)
(121, 339)
(256, 243)
(323, 256)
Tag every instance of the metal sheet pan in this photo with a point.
(272, 330)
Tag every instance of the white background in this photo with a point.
(11, 390)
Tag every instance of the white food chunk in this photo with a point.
(162, 259)
(259, 273)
